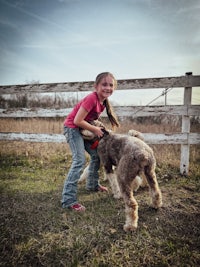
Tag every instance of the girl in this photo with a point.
(87, 110)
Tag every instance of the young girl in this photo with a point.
(87, 110)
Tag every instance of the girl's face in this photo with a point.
(105, 87)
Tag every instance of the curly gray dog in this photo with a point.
(130, 155)
(139, 181)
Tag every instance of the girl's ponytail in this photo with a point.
(111, 115)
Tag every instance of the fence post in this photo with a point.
(185, 148)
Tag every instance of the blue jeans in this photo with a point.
(78, 147)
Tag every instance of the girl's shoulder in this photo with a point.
(90, 97)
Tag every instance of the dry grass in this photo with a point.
(164, 153)
(32, 125)
(36, 231)
(161, 124)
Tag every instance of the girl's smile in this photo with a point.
(105, 88)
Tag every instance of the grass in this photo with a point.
(36, 231)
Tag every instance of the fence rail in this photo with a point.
(188, 80)
(150, 138)
(126, 111)
(185, 138)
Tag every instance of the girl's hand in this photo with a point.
(98, 131)
(79, 120)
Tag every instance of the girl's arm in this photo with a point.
(80, 121)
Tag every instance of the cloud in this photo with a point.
(32, 15)
(68, 40)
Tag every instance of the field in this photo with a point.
(36, 231)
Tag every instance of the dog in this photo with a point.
(130, 156)
(140, 181)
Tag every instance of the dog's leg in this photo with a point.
(144, 181)
(111, 176)
(137, 183)
(131, 205)
(84, 175)
(154, 187)
(114, 184)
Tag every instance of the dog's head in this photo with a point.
(88, 135)
(96, 140)
(98, 123)
(105, 132)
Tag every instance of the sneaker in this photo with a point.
(102, 188)
(77, 207)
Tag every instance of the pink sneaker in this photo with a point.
(102, 188)
(77, 207)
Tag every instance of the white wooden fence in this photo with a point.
(185, 138)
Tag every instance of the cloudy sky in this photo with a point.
(73, 40)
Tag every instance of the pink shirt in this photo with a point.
(91, 104)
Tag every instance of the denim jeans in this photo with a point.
(78, 147)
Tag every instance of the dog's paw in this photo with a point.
(117, 196)
(157, 204)
(157, 200)
(130, 227)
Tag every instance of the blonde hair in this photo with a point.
(109, 109)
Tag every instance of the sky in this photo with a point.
(49, 41)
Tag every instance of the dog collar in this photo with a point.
(95, 144)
